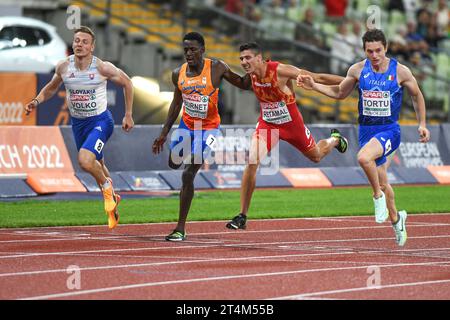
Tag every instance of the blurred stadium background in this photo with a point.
(143, 38)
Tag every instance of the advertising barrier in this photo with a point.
(414, 154)
(277, 180)
(91, 185)
(393, 176)
(48, 157)
(441, 173)
(223, 179)
(144, 180)
(348, 176)
(40, 153)
(414, 175)
(306, 177)
(132, 152)
(15, 187)
(15, 92)
(173, 179)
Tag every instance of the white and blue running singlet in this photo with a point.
(85, 90)
(92, 122)
(380, 101)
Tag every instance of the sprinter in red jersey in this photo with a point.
(280, 118)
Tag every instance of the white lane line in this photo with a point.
(357, 218)
(44, 240)
(340, 251)
(152, 264)
(215, 245)
(136, 238)
(207, 279)
(367, 288)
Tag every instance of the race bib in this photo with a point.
(275, 112)
(376, 103)
(83, 103)
(211, 141)
(99, 144)
(196, 105)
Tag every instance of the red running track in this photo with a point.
(309, 258)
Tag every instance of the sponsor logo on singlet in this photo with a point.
(275, 112)
(376, 103)
(82, 100)
(196, 105)
(264, 85)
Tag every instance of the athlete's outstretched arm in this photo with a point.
(340, 91)
(235, 79)
(174, 111)
(116, 75)
(292, 72)
(323, 78)
(48, 91)
(408, 81)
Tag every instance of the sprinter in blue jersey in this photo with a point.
(85, 77)
(381, 82)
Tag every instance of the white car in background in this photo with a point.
(29, 45)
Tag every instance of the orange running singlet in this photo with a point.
(200, 98)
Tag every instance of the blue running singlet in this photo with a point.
(380, 100)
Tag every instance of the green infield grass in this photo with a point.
(223, 205)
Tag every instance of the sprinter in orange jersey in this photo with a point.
(272, 83)
(196, 94)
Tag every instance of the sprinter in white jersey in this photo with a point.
(380, 85)
(85, 77)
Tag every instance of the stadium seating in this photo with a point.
(155, 24)
(144, 22)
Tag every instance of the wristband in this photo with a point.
(36, 101)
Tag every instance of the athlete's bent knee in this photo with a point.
(363, 160)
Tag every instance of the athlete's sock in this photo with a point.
(106, 185)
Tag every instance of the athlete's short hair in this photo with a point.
(253, 46)
(87, 30)
(374, 35)
(195, 36)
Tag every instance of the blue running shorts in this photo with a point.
(388, 135)
(92, 133)
(185, 141)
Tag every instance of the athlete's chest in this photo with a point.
(197, 83)
(90, 77)
(206, 78)
(379, 82)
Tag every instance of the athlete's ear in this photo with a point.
(259, 57)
